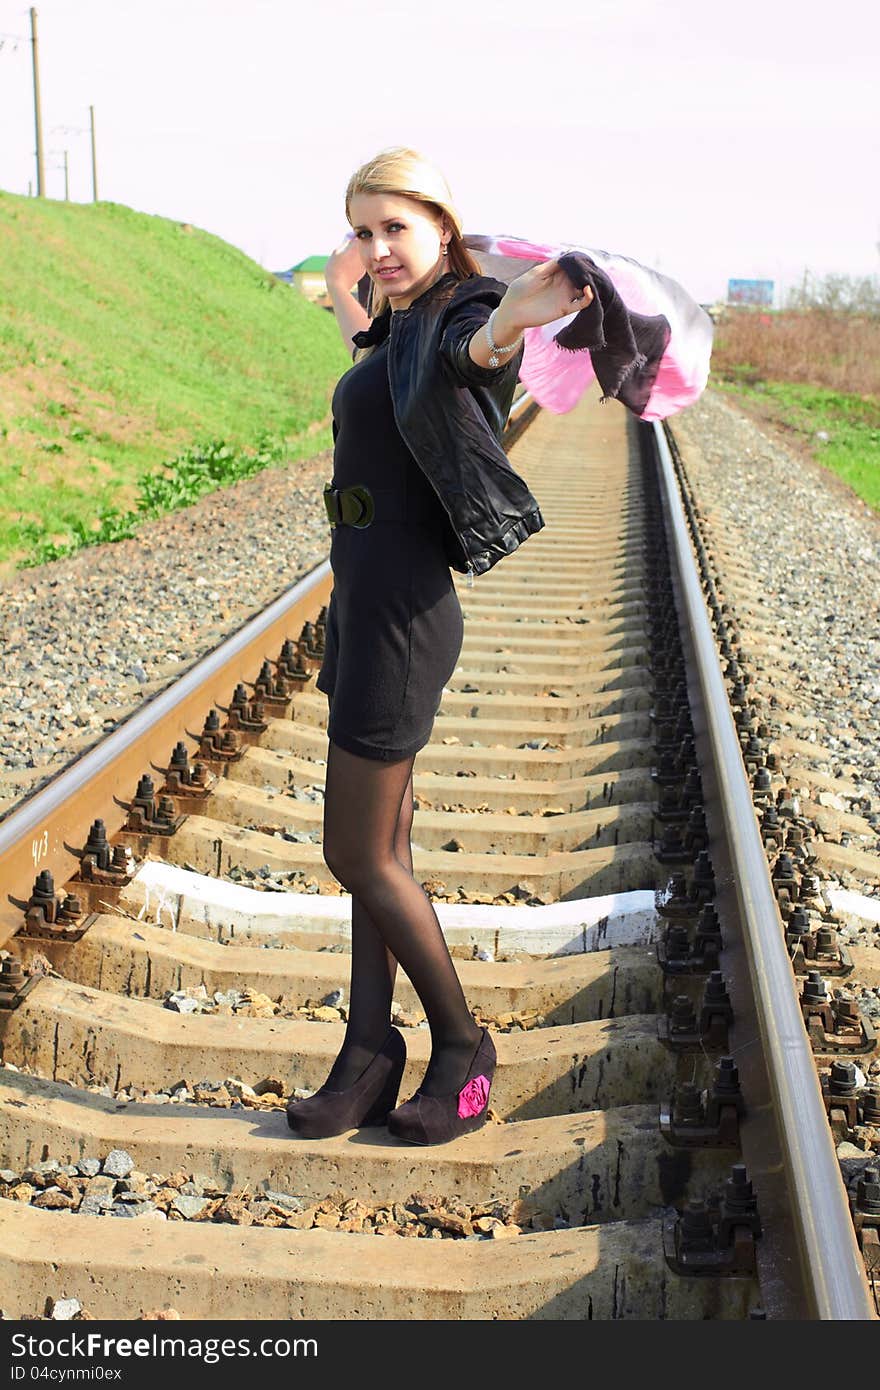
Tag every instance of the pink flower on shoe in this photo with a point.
(472, 1098)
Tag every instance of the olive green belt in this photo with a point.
(360, 506)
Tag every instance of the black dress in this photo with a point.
(394, 621)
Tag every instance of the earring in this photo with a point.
(446, 250)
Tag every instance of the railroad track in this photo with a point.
(634, 908)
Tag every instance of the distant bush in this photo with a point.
(837, 294)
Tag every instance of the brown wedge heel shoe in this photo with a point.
(366, 1102)
(438, 1119)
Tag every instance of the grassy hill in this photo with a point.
(125, 339)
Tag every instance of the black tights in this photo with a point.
(368, 813)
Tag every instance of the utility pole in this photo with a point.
(94, 156)
(38, 120)
(66, 180)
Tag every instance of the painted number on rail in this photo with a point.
(40, 847)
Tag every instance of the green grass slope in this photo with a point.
(127, 338)
(839, 430)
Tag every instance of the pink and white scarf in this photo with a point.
(557, 374)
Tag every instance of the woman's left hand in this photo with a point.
(542, 295)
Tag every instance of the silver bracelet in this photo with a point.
(494, 349)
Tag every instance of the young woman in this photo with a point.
(420, 483)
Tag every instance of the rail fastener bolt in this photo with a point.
(705, 1119)
(865, 1208)
(14, 984)
(717, 1239)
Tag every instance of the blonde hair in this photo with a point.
(404, 171)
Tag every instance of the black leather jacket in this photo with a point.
(451, 413)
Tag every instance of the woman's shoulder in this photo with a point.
(476, 289)
(474, 284)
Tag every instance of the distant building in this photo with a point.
(750, 292)
(715, 310)
(308, 278)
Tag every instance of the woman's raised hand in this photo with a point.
(542, 295)
(344, 266)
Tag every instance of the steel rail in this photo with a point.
(34, 836)
(72, 779)
(832, 1266)
(523, 400)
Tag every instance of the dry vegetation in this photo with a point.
(818, 347)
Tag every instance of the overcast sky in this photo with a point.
(711, 141)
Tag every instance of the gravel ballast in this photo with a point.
(810, 551)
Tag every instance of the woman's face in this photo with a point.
(393, 230)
